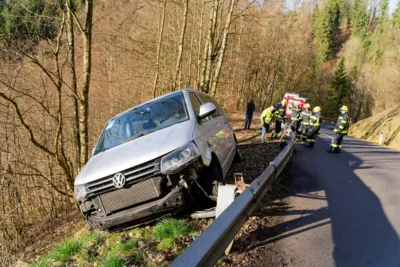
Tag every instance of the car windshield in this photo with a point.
(142, 120)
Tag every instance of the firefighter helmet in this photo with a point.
(283, 102)
(344, 108)
(317, 109)
(307, 106)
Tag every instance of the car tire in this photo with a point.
(212, 179)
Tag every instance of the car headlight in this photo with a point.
(179, 158)
(80, 191)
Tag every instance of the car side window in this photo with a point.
(208, 99)
(195, 103)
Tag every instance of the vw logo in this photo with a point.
(119, 180)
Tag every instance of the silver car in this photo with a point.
(156, 159)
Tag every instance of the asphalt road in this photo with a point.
(344, 209)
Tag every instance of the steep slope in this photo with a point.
(386, 122)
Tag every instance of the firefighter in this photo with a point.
(267, 116)
(315, 125)
(341, 129)
(279, 116)
(305, 121)
(295, 117)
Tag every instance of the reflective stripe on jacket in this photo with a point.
(342, 124)
(266, 116)
(315, 120)
(305, 117)
(296, 113)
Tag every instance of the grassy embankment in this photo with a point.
(386, 122)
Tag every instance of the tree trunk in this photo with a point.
(202, 80)
(221, 53)
(160, 37)
(210, 47)
(74, 87)
(236, 58)
(197, 84)
(84, 96)
(188, 80)
(180, 47)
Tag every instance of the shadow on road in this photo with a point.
(362, 235)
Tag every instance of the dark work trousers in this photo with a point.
(278, 128)
(337, 141)
(296, 128)
(304, 130)
(312, 135)
(249, 118)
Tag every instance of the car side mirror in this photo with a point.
(93, 150)
(206, 110)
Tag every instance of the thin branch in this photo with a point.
(32, 137)
(31, 97)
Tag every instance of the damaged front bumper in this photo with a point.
(172, 203)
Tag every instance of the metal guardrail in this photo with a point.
(211, 244)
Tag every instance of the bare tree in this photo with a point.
(199, 70)
(86, 33)
(74, 86)
(160, 37)
(209, 45)
(221, 52)
(181, 44)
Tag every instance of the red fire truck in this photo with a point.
(291, 100)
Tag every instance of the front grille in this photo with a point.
(137, 193)
(133, 174)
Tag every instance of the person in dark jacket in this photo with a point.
(278, 118)
(340, 130)
(249, 113)
(315, 126)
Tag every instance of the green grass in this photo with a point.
(129, 245)
(112, 260)
(62, 253)
(170, 228)
(66, 250)
(165, 244)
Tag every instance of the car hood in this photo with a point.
(137, 151)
